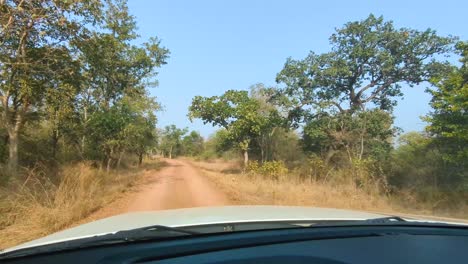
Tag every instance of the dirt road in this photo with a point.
(178, 185)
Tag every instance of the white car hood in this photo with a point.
(197, 216)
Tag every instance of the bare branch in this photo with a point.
(339, 107)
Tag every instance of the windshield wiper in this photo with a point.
(154, 232)
(385, 220)
(138, 234)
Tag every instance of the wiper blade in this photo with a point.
(385, 220)
(143, 233)
(154, 232)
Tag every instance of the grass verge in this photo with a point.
(39, 206)
(248, 189)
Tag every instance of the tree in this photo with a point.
(140, 134)
(369, 62)
(235, 111)
(364, 134)
(171, 140)
(34, 52)
(274, 120)
(114, 69)
(193, 144)
(448, 122)
(106, 132)
(359, 80)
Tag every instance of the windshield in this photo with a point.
(108, 108)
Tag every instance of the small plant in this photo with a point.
(253, 167)
(273, 169)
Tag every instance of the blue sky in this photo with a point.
(221, 45)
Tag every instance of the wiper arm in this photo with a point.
(385, 220)
(153, 232)
(144, 233)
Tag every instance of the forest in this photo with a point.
(74, 90)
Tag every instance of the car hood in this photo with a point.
(198, 216)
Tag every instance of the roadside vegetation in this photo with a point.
(328, 123)
(76, 118)
(41, 205)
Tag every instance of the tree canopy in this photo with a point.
(240, 114)
(73, 68)
(368, 63)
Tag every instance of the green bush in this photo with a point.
(272, 169)
(253, 167)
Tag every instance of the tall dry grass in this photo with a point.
(255, 189)
(337, 190)
(40, 205)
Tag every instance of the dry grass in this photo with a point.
(38, 206)
(260, 190)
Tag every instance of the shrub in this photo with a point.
(272, 169)
(253, 167)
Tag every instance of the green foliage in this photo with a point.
(36, 57)
(346, 96)
(244, 117)
(350, 136)
(216, 145)
(171, 141)
(70, 69)
(272, 169)
(413, 162)
(449, 120)
(367, 64)
(193, 144)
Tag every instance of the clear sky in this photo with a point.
(221, 45)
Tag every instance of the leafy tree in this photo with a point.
(112, 66)
(369, 62)
(193, 144)
(274, 120)
(449, 120)
(217, 144)
(414, 163)
(345, 94)
(171, 140)
(140, 134)
(364, 134)
(106, 132)
(34, 52)
(237, 112)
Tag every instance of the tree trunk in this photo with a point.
(170, 153)
(246, 158)
(83, 138)
(120, 159)
(262, 152)
(109, 162)
(55, 138)
(109, 159)
(140, 159)
(13, 152)
(329, 155)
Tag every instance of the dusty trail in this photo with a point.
(178, 185)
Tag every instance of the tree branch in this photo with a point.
(338, 106)
(365, 88)
(377, 91)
